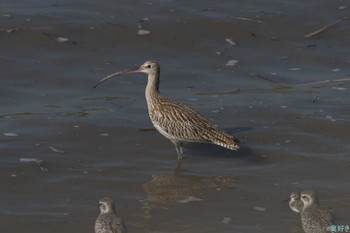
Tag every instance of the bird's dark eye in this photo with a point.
(303, 197)
(148, 66)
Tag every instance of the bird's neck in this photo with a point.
(108, 210)
(152, 88)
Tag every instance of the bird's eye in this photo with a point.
(303, 197)
(148, 66)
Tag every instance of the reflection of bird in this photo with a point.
(314, 218)
(177, 122)
(295, 203)
(108, 221)
(166, 189)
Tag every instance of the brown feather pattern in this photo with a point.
(177, 122)
(180, 122)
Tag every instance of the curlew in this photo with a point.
(108, 221)
(178, 122)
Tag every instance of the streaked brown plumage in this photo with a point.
(177, 122)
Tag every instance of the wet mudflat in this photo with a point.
(245, 66)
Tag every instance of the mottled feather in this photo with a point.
(108, 221)
(314, 218)
(180, 122)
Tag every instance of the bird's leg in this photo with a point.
(178, 167)
(179, 150)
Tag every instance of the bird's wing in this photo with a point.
(118, 225)
(185, 123)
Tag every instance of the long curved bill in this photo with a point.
(129, 71)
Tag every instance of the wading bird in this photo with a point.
(178, 122)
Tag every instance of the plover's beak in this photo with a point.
(285, 200)
(129, 71)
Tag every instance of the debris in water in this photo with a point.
(39, 162)
(329, 117)
(56, 150)
(41, 143)
(315, 99)
(30, 160)
(143, 32)
(12, 30)
(325, 81)
(259, 208)
(190, 199)
(10, 134)
(247, 19)
(232, 62)
(62, 39)
(325, 27)
(230, 41)
(336, 70)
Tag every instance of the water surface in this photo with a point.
(65, 145)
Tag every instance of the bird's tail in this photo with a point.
(223, 139)
(227, 141)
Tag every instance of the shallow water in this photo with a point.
(65, 145)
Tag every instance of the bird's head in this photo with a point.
(106, 205)
(294, 196)
(308, 197)
(148, 67)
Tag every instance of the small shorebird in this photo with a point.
(108, 221)
(314, 218)
(295, 203)
(175, 121)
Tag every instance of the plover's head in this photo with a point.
(106, 205)
(295, 203)
(294, 196)
(309, 197)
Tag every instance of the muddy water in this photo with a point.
(64, 145)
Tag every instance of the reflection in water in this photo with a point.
(166, 189)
